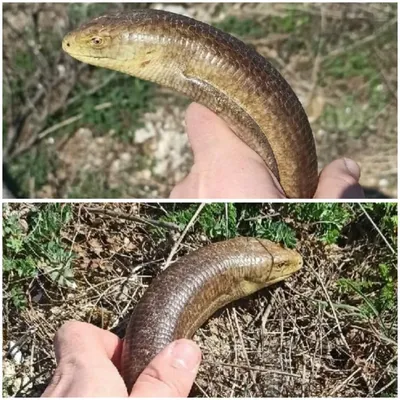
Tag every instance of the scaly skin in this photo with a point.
(187, 293)
(216, 70)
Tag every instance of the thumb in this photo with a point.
(224, 166)
(171, 373)
(208, 133)
(339, 180)
(210, 137)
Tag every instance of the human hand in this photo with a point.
(88, 361)
(225, 167)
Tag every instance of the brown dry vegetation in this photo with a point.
(305, 337)
(80, 132)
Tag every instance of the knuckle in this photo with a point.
(347, 179)
(167, 385)
(68, 329)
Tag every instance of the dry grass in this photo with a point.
(302, 338)
(74, 131)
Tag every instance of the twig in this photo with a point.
(21, 341)
(317, 59)
(379, 335)
(379, 61)
(257, 369)
(365, 40)
(388, 366)
(201, 389)
(267, 311)
(43, 134)
(253, 377)
(236, 354)
(378, 230)
(386, 386)
(93, 90)
(332, 308)
(178, 242)
(30, 381)
(337, 388)
(260, 217)
(54, 128)
(339, 328)
(169, 225)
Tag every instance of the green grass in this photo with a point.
(40, 162)
(34, 247)
(373, 294)
(293, 21)
(93, 185)
(325, 221)
(386, 217)
(23, 65)
(350, 117)
(374, 297)
(79, 12)
(353, 119)
(129, 97)
(353, 115)
(39, 249)
(351, 65)
(241, 27)
(224, 221)
(251, 28)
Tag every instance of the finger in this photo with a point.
(339, 180)
(171, 373)
(240, 182)
(87, 357)
(225, 167)
(209, 134)
(79, 338)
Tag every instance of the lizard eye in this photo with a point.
(97, 40)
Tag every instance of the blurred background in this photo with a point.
(74, 131)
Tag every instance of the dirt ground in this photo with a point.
(339, 58)
(301, 338)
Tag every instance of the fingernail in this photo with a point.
(352, 167)
(185, 355)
